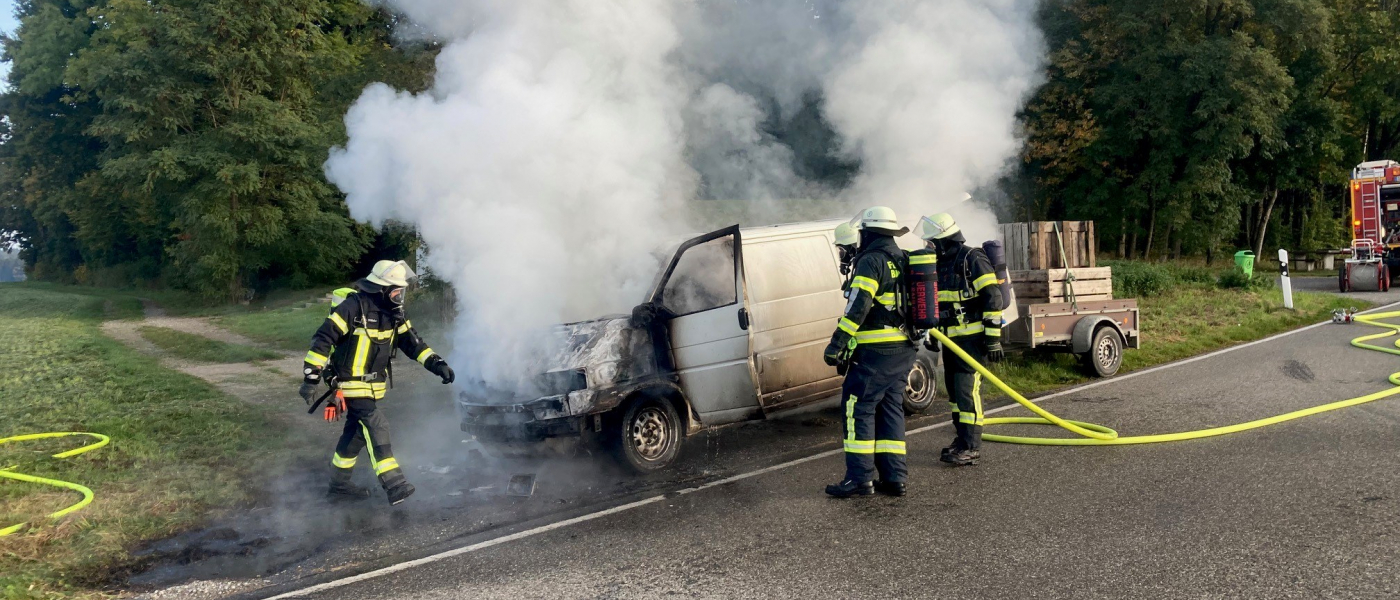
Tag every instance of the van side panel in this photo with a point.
(794, 302)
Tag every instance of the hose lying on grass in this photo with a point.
(8, 473)
(1098, 435)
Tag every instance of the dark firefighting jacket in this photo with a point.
(871, 314)
(969, 300)
(356, 341)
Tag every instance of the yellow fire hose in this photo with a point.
(1098, 435)
(7, 473)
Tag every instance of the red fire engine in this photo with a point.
(1375, 227)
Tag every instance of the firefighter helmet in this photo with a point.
(936, 227)
(881, 219)
(392, 273)
(846, 235)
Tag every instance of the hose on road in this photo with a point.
(1098, 435)
(8, 472)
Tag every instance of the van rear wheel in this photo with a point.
(922, 389)
(648, 437)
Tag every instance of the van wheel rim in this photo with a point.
(650, 433)
(1107, 351)
(918, 384)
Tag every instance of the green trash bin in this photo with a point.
(1245, 260)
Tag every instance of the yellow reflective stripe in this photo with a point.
(851, 417)
(313, 358)
(847, 325)
(405, 327)
(984, 281)
(861, 282)
(339, 322)
(992, 332)
(886, 299)
(369, 445)
(953, 408)
(884, 334)
(363, 385)
(342, 462)
(949, 296)
(424, 356)
(889, 446)
(375, 333)
(389, 464)
(357, 367)
(967, 418)
(977, 396)
(859, 446)
(365, 393)
(968, 329)
(923, 259)
(994, 315)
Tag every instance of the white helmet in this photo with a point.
(846, 235)
(881, 219)
(936, 227)
(393, 273)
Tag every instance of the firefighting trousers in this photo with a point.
(366, 427)
(872, 401)
(964, 385)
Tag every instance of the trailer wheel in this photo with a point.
(1342, 279)
(1385, 278)
(648, 436)
(1105, 353)
(922, 388)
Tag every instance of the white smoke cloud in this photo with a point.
(541, 169)
(562, 138)
(926, 95)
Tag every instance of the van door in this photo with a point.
(794, 293)
(702, 295)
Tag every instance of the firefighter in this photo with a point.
(970, 308)
(351, 353)
(846, 240)
(875, 355)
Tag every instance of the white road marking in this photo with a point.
(329, 585)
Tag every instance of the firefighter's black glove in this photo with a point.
(308, 391)
(994, 352)
(439, 367)
(932, 344)
(838, 352)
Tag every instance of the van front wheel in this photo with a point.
(648, 438)
(921, 390)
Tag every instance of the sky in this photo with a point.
(7, 25)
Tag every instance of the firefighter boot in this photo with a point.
(398, 488)
(890, 488)
(342, 489)
(950, 448)
(961, 457)
(849, 488)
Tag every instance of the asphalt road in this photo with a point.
(1304, 509)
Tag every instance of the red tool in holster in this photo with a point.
(335, 406)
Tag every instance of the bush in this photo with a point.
(1235, 279)
(1141, 280)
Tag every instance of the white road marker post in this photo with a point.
(1283, 278)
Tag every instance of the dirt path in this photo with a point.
(257, 382)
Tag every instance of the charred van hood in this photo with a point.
(589, 343)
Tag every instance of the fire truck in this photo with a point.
(1375, 228)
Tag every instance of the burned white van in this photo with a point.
(733, 329)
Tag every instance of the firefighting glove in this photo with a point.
(839, 351)
(994, 352)
(439, 367)
(932, 344)
(308, 391)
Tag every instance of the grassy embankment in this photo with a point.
(1186, 310)
(180, 448)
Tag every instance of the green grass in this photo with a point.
(203, 349)
(289, 328)
(1183, 321)
(180, 448)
